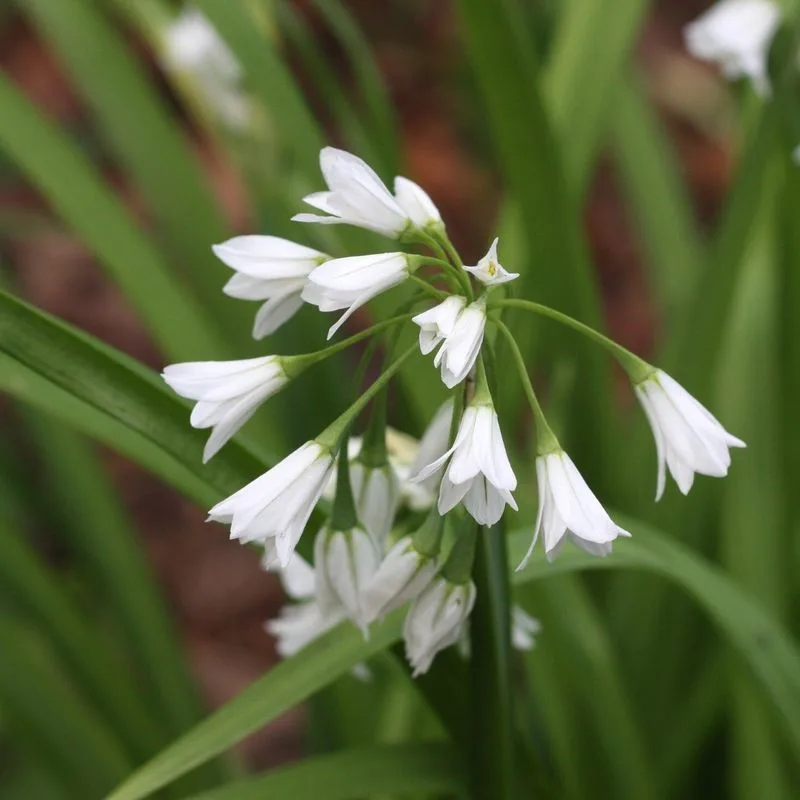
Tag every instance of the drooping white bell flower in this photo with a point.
(569, 510)
(490, 271)
(437, 323)
(689, 439)
(351, 282)
(227, 393)
(524, 629)
(357, 196)
(435, 621)
(277, 504)
(376, 492)
(417, 205)
(345, 562)
(192, 45)
(299, 624)
(420, 492)
(479, 473)
(460, 339)
(402, 575)
(736, 34)
(272, 269)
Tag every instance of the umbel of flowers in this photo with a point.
(404, 515)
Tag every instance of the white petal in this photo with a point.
(275, 312)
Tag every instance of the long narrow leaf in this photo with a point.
(425, 768)
(80, 197)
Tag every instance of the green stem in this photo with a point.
(294, 365)
(331, 435)
(547, 441)
(431, 290)
(492, 756)
(343, 517)
(454, 271)
(638, 369)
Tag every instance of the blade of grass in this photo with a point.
(508, 79)
(101, 680)
(65, 734)
(762, 645)
(121, 387)
(752, 497)
(31, 388)
(422, 768)
(287, 684)
(589, 53)
(75, 191)
(96, 526)
(146, 138)
(372, 89)
(657, 196)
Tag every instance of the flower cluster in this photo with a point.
(401, 518)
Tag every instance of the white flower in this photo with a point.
(568, 509)
(345, 562)
(524, 629)
(357, 196)
(416, 204)
(419, 492)
(435, 621)
(437, 323)
(297, 577)
(192, 45)
(736, 34)
(227, 393)
(688, 438)
(271, 269)
(490, 271)
(277, 505)
(402, 575)
(299, 624)
(351, 282)
(479, 472)
(376, 492)
(460, 339)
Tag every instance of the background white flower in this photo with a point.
(736, 34)
(227, 393)
(268, 268)
(376, 492)
(479, 472)
(689, 439)
(402, 575)
(345, 562)
(435, 621)
(278, 504)
(569, 510)
(489, 270)
(351, 282)
(192, 45)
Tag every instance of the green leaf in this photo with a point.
(95, 525)
(492, 740)
(121, 388)
(657, 196)
(270, 80)
(382, 123)
(31, 388)
(425, 768)
(80, 196)
(146, 137)
(770, 655)
(589, 53)
(37, 594)
(557, 271)
(287, 684)
(65, 735)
